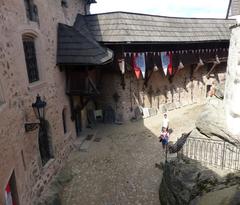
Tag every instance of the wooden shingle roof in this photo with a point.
(76, 47)
(117, 27)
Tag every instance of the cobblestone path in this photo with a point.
(120, 168)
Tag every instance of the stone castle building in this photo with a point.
(52, 49)
(28, 44)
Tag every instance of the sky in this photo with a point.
(178, 8)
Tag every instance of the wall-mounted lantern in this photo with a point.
(39, 110)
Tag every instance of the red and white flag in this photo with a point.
(8, 195)
(136, 68)
(166, 59)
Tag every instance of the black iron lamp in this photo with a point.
(39, 110)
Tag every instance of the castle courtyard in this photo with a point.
(117, 165)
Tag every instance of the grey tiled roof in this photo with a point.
(76, 47)
(130, 27)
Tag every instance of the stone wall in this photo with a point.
(232, 89)
(159, 92)
(19, 150)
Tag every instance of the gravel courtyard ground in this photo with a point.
(117, 166)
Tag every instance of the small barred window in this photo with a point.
(31, 60)
(31, 10)
(64, 120)
(2, 101)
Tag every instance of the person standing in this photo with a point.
(164, 137)
(165, 122)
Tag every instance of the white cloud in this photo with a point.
(185, 8)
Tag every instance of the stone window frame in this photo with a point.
(32, 71)
(31, 10)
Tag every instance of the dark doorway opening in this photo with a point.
(208, 89)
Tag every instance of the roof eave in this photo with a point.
(163, 42)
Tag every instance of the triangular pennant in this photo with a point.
(180, 65)
(121, 64)
(170, 66)
(8, 195)
(155, 68)
(140, 63)
(165, 62)
(136, 69)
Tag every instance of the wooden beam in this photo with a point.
(215, 63)
(212, 68)
(71, 107)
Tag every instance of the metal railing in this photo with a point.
(212, 152)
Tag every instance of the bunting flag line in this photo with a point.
(135, 67)
(157, 53)
(140, 63)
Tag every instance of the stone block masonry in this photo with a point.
(20, 150)
(160, 92)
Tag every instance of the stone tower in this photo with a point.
(234, 9)
(232, 88)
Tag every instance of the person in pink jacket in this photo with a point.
(164, 137)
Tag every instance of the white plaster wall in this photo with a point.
(232, 89)
(18, 95)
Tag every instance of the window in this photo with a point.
(64, 120)
(64, 3)
(31, 60)
(31, 10)
(1, 95)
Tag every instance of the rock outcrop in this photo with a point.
(187, 182)
(212, 121)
